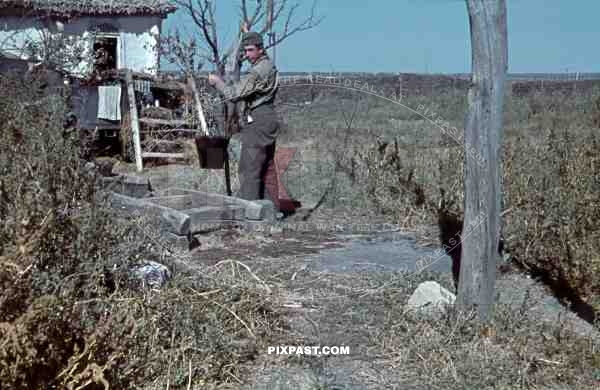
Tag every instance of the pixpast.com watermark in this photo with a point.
(315, 350)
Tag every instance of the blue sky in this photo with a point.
(429, 36)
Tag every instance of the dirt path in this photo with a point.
(317, 276)
(340, 289)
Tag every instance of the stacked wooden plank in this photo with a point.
(179, 214)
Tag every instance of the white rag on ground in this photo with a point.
(109, 102)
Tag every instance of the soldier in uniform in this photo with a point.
(260, 128)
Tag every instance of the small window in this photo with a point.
(106, 52)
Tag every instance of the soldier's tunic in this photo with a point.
(257, 89)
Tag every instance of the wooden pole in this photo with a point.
(135, 124)
(201, 117)
(232, 111)
(271, 34)
(166, 218)
(274, 47)
(483, 140)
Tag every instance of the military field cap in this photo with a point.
(252, 38)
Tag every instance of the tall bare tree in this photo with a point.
(277, 18)
(483, 139)
(271, 16)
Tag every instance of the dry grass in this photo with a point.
(397, 170)
(394, 348)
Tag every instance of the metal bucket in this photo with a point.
(212, 151)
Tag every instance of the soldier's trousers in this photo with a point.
(258, 150)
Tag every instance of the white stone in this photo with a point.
(89, 166)
(430, 297)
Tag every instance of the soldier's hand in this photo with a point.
(213, 79)
(244, 27)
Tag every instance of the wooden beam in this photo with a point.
(162, 155)
(171, 131)
(153, 122)
(202, 198)
(483, 141)
(135, 125)
(166, 219)
(188, 201)
(203, 217)
(254, 210)
(177, 202)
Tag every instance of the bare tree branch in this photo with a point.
(205, 23)
(244, 8)
(278, 10)
(310, 22)
(258, 14)
(213, 24)
(203, 15)
(198, 12)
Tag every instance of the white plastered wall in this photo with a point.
(137, 39)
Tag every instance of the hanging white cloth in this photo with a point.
(109, 102)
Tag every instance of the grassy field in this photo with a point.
(71, 315)
(390, 158)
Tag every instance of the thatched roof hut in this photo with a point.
(68, 8)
